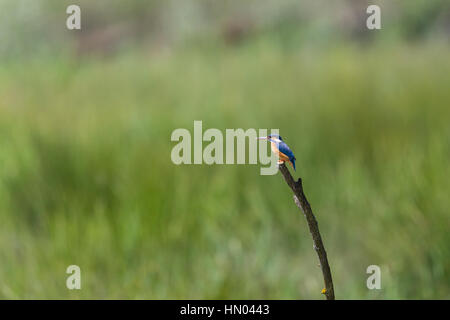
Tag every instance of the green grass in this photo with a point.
(86, 176)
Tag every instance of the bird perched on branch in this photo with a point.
(281, 149)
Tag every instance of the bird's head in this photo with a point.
(272, 138)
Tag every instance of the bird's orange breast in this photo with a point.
(280, 154)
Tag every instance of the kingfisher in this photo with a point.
(281, 149)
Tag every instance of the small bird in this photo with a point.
(280, 148)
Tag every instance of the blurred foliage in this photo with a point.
(87, 179)
(109, 26)
(86, 176)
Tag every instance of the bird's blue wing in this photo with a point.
(283, 147)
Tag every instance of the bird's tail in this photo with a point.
(292, 162)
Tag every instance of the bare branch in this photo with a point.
(303, 204)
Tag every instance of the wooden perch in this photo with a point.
(303, 204)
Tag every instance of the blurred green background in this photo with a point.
(85, 170)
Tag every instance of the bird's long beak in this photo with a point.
(261, 138)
